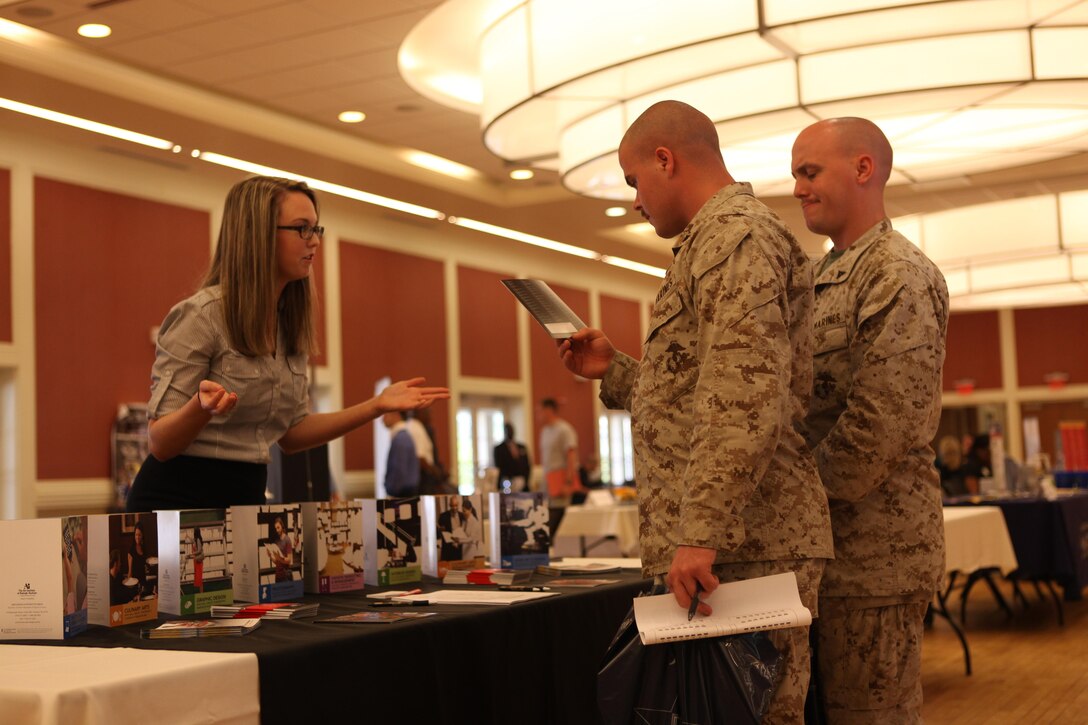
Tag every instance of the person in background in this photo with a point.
(558, 454)
(979, 465)
(512, 460)
(433, 478)
(727, 488)
(229, 378)
(880, 324)
(951, 465)
(402, 463)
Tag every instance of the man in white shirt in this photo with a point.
(558, 454)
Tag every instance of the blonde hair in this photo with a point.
(244, 267)
(950, 452)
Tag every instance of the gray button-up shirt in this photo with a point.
(193, 345)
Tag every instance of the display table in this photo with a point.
(977, 538)
(976, 542)
(618, 520)
(88, 686)
(1050, 537)
(534, 662)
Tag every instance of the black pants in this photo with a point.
(190, 482)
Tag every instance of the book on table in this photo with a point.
(123, 574)
(42, 595)
(270, 610)
(561, 568)
(750, 605)
(453, 533)
(267, 543)
(194, 561)
(368, 617)
(202, 628)
(333, 554)
(392, 540)
(487, 576)
(518, 524)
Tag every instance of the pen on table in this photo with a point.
(513, 588)
(694, 606)
(412, 603)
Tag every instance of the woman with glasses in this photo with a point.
(229, 378)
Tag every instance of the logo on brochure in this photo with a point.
(27, 591)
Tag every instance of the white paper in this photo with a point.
(770, 602)
(471, 596)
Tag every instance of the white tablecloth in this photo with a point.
(976, 538)
(104, 686)
(619, 520)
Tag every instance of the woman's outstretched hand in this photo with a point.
(408, 395)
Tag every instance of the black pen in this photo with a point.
(694, 601)
(513, 588)
(412, 603)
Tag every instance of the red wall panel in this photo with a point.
(488, 324)
(393, 313)
(973, 350)
(620, 321)
(5, 256)
(550, 379)
(1051, 339)
(107, 268)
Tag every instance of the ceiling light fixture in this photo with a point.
(615, 211)
(439, 164)
(978, 84)
(82, 123)
(523, 237)
(331, 188)
(351, 117)
(94, 30)
(521, 174)
(337, 189)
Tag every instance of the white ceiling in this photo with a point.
(307, 60)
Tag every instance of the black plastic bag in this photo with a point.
(694, 682)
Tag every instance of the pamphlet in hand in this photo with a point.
(546, 306)
(770, 602)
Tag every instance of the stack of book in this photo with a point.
(272, 610)
(202, 628)
(487, 576)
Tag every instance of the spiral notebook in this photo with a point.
(545, 306)
(770, 602)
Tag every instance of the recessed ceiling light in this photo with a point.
(615, 211)
(94, 30)
(352, 116)
(521, 174)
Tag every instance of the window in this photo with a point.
(617, 452)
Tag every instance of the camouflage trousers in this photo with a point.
(788, 705)
(869, 659)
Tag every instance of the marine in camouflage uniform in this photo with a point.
(880, 323)
(715, 403)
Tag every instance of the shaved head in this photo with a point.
(677, 126)
(857, 137)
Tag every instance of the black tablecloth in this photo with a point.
(1050, 537)
(533, 662)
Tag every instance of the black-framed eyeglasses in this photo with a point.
(305, 231)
